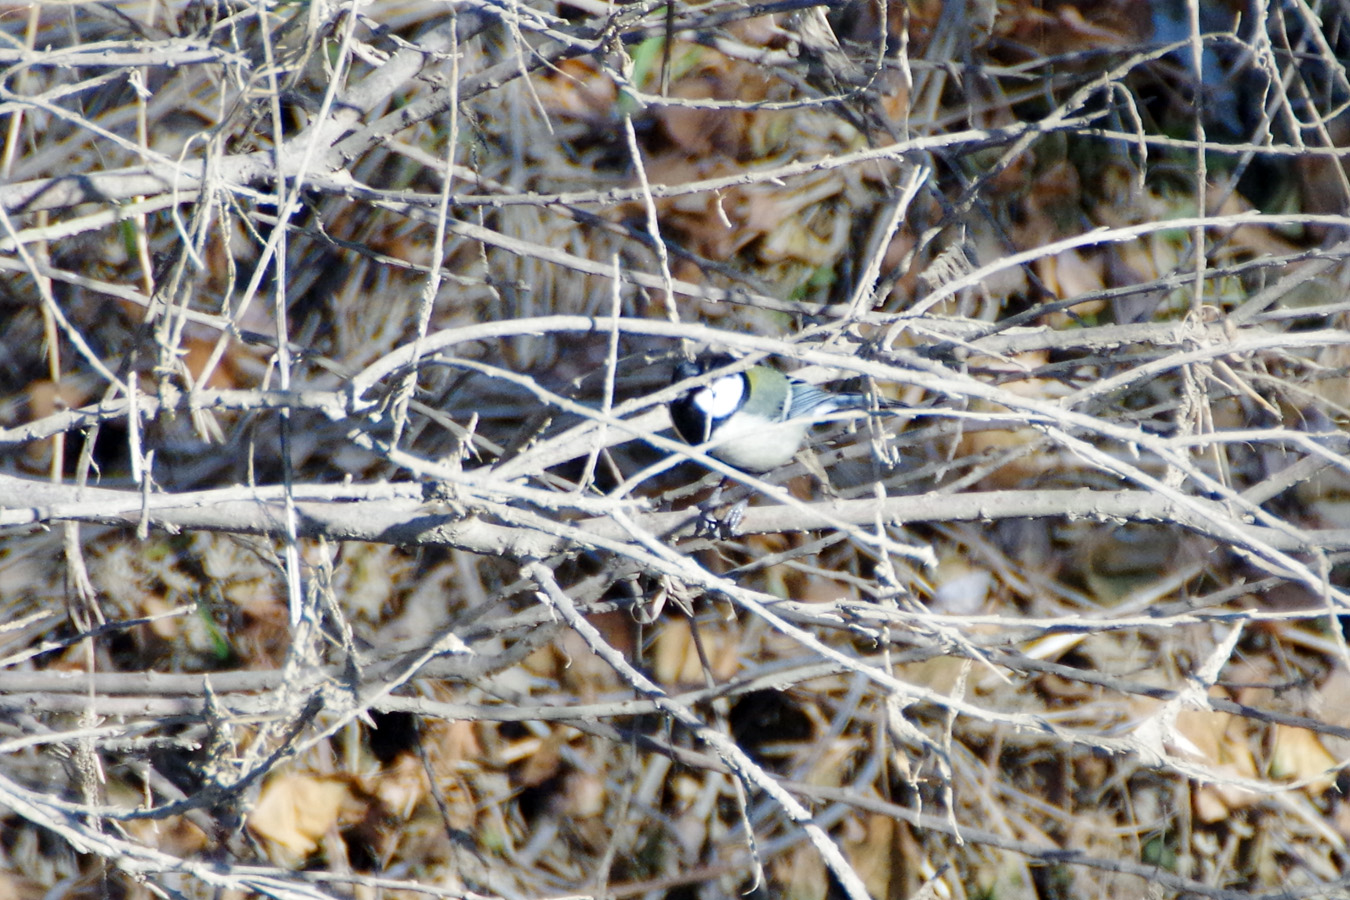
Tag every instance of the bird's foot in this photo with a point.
(713, 523)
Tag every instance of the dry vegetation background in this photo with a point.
(345, 554)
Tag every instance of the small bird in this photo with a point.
(755, 420)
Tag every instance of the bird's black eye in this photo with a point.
(687, 369)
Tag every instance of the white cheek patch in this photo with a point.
(721, 398)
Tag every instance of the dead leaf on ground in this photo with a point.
(295, 812)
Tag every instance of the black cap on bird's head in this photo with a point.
(706, 362)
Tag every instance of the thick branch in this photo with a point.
(398, 514)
